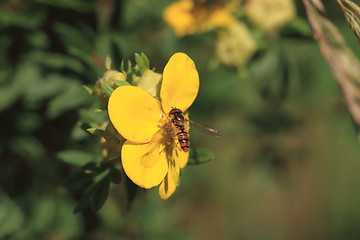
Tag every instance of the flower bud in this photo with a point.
(235, 45)
(150, 82)
(107, 80)
(269, 15)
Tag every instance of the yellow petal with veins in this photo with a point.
(134, 113)
(145, 170)
(180, 83)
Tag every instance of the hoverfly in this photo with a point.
(178, 120)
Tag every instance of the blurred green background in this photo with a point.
(286, 168)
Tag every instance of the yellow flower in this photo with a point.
(189, 17)
(235, 45)
(270, 15)
(151, 156)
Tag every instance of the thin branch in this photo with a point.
(343, 63)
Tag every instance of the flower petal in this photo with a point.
(181, 158)
(180, 83)
(145, 170)
(179, 16)
(134, 113)
(169, 185)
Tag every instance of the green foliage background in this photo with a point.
(286, 168)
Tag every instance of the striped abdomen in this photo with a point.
(178, 120)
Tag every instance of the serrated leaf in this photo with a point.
(200, 156)
(121, 83)
(107, 89)
(99, 194)
(75, 157)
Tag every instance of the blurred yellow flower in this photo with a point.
(269, 15)
(150, 156)
(189, 17)
(235, 45)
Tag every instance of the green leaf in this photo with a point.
(78, 6)
(114, 156)
(29, 20)
(72, 97)
(82, 203)
(11, 217)
(142, 61)
(99, 194)
(200, 156)
(103, 45)
(121, 83)
(97, 110)
(87, 89)
(73, 37)
(76, 157)
(96, 131)
(108, 63)
(301, 26)
(27, 122)
(129, 66)
(115, 176)
(88, 60)
(122, 66)
(57, 61)
(101, 175)
(44, 214)
(96, 197)
(131, 192)
(79, 179)
(28, 147)
(92, 116)
(26, 75)
(107, 89)
(48, 87)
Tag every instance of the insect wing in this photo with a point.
(206, 129)
(153, 147)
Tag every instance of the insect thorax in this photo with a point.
(176, 116)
